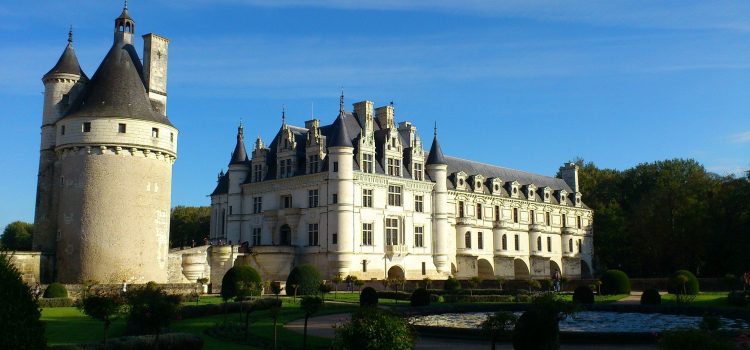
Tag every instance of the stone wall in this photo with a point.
(28, 263)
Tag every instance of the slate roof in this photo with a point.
(117, 89)
(68, 63)
(222, 187)
(239, 155)
(436, 153)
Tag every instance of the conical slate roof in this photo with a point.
(68, 63)
(339, 134)
(117, 89)
(436, 154)
(239, 156)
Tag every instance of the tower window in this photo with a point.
(122, 128)
(505, 242)
(86, 127)
(480, 241)
(155, 132)
(539, 244)
(171, 137)
(335, 167)
(467, 239)
(479, 211)
(367, 198)
(62, 130)
(549, 244)
(335, 199)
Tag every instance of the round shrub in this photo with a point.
(615, 282)
(690, 285)
(420, 297)
(451, 285)
(56, 290)
(537, 328)
(237, 281)
(583, 295)
(368, 297)
(650, 297)
(372, 328)
(303, 280)
(20, 327)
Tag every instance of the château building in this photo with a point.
(361, 197)
(105, 166)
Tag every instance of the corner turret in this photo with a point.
(437, 168)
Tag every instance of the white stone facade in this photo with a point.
(376, 207)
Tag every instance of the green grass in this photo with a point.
(707, 299)
(68, 325)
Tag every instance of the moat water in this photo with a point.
(588, 321)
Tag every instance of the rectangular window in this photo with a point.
(62, 130)
(155, 132)
(467, 239)
(230, 210)
(419, 236)
(532, 214)
(424, 268)
(286, 170)
(418, 174)
(497, 213)
(480, 240)
(394, 195)
(564, 220)
(367, 198)
(460, 209)
(257, 172)
(313, 162)
(335, 238)
(479, 211)
(257, 205)
(391, 231)
(122, 128)
(364, 265)
(171, 137)
(312, 234)
(367, 233)
(86, 127)
(286, 201)
(335, 198)
(549, 244)
(419, 204)
(256, 235)
(394, 167)
(335, 167)
(515, 215)
(516, 243)
(578, 221)
(312, 198)
(546, 218)
(367, 163)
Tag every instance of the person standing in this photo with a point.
(124, 286)
(556, 280)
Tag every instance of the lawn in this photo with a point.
(708, 299)
(68, 325)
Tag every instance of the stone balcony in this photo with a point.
(571, 231)
(571, 255)
(464, 221)
(537, 228)
(396, 249)
(501, 225)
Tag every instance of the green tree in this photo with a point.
(374, 329)
(20, 327)
(498, 325)
(103, 307)
(310, 305)
(336, 279)
(17, 236)
(151, 308)
(188, 224)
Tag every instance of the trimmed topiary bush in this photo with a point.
(420, 297)
(372, 328)
(240, 281)
(56, 290)
(303, 280)
(689, 287)
(20, 327)
(615, 282)
(451, 285)
(583, 295)
(650, 297)
(368, 297)
(537, 328)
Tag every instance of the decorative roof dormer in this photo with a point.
(366, 141)
(124, 26)
(546, 194)
(477, 182)
(413, 151)
(314, 150)
(562, 197)
(259, 166)
(460, 180)
(286, 150)
(513, 188)
(530, 191)
(578, 201)
(496, 186)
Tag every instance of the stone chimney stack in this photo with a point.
(385, 118)
(155, 50)
(569, 173)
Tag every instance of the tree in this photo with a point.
(310, 305)
(103, 307)
(374, 329)
(188, 224)
(498, 325)
(20, 327)
(151, 309)
(17, 236)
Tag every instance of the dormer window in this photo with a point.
(461, 180)
(562, 196)
(513, 189)
(495, 186)
(546, 194)
(367, 163)
(418, 173)
(62, 130)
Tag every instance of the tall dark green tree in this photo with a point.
(188, 224)
(17, 236)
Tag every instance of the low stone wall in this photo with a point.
(29, 265)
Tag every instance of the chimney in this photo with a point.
(569, 174)
(155, 54)
(384, 115)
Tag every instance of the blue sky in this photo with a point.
(523, 84)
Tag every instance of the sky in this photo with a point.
(519, 83)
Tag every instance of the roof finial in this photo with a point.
(435, 132)
(341, 102)
(283, 114)
(70, 34)
(240, 130)
(126, 5)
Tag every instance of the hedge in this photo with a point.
(167, 341)
(56, 302)
(615, 282)
(583, 295)
(481, 298)
(56, 290)
(420, 297)
(691, 287)
(194, 311)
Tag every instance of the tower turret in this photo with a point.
(341, 200)
(62, 85)
(239, 168)
(124, 26)
(437, 168)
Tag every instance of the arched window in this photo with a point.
(467, 239)
(570, 245)
(549, 244)
(505, 242)
(539, 243)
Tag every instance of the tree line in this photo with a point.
(656, 218)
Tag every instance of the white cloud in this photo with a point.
(742, 137)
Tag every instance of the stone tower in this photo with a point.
(437, 168)
(107, 213)
(341, 179)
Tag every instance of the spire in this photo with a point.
(124, 26)
(341, 103)
(283, 115)
(70, 35)
(339, 136)
(436, 154)
(68, 62)
(239, 156)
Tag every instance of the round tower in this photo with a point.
(62, 84)
(115, 154)
(437, 167)
(341, 179)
